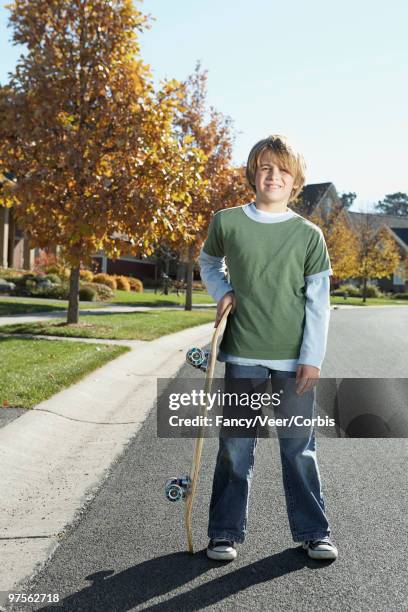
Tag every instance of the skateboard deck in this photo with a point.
(189, 483)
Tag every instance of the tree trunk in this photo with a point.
(364, 289)
(73, 300)
(189, 279)
(167, 278)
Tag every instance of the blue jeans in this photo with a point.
(228, 514)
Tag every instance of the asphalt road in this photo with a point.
(127, 550)
(367, 342)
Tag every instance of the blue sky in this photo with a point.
(331, 76)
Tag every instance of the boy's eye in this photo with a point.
(280, 169)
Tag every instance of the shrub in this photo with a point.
(122, 282)
(60, 271)
(39, 286)
(400, 296)
(49, 263)
(54, 278)
(103, 292)
(57, 292)
(25, 284)
(105, 279)
(135, 284)
(87, 294)
(86, 275)
(44, 261)
(352, 291)
(6, 287)
(198, 286)
(372, 291)
(9, 274)
(54, 269)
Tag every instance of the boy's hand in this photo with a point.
(307, 377)
(228, 298)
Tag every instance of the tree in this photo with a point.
(394, 204)
(164, 255)
(341, 241)
(378, 255)
(347, 199)
(89, 140)
(366, 250)
(224, 184)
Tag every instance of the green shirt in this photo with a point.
(267, 264)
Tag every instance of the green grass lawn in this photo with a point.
(10, 306)
(118, 326)
(33, 370)
(149, 298)
(369, 302)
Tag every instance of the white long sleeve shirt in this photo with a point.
(317, 306)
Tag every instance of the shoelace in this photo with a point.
(215, 543)
(314, 543)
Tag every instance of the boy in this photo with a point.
(279, 270)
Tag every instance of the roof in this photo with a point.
(398, 224)
(392, 221)
(311, 194)
(402, 232)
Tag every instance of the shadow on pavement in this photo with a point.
(158, 577)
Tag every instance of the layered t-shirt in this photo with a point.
(267, 265)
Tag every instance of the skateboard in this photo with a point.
(185, 487)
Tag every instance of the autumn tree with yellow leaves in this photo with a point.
(224, 184)
(378, 255)
(89, 140)
(341, 240)
(364, 250)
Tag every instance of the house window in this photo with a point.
(328, 204)
(398, 278)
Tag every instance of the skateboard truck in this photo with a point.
(198, 358)
(176, 488)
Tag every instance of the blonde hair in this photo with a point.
(283, 153)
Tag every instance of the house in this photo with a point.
(318, 196)
(15, 252)
(397, 226)
(323, 195)
(14, 249)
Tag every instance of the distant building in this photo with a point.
(14, 249)
(323, 195)
(397, 226)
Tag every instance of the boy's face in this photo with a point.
(273, 183)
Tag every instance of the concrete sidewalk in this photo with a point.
(54, 457)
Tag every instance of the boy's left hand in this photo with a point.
(307, 377)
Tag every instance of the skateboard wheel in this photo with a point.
(174, 492)
(176, 488)
(197, 358)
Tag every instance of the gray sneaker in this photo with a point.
(221, 550)
(322, 548)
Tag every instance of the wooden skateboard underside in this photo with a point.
(195, 467)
